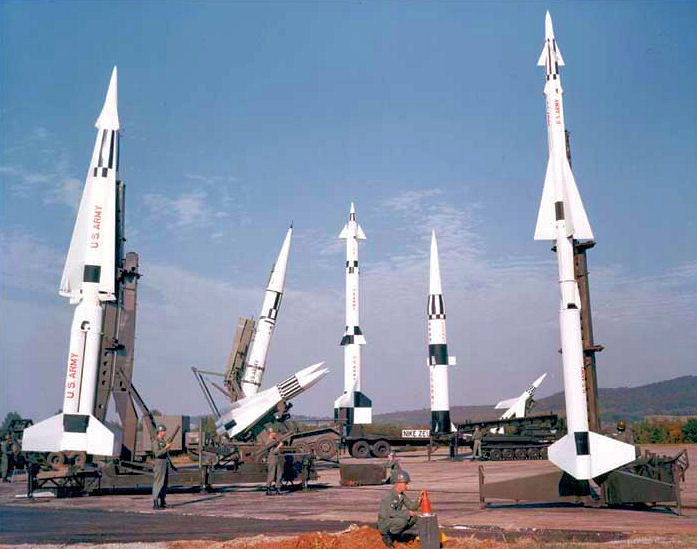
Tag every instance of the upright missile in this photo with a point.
(352, 406)
(256, 359)
(438, 359)
(89, 280)
(562, 218)
(246, 413)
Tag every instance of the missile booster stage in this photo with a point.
(561, 218)
(89, 280)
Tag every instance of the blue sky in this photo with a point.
(241, 117)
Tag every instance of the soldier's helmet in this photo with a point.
(621, 425)
(161, 428)
(400, 476)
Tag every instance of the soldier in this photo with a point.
(275, 463)
(307, 465)
(397, 512)
(622, 434)
(477, 443)
(160, 469)
(7, 456)
(392, 466)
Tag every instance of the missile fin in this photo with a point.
(603, 454)
(507, 403)
(546, 228)
(344, 232)
(360, 235)
(574, 206)
(54, 435)
(71, 281)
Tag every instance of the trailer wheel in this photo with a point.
(56, 459)
(533, 453)
(520, 453)
(381, 449)
(325, 448)
(79, 459)
(360, 449)
(543, 453)
(508, 454)
(495, 455)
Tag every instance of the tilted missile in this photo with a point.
(245, 413)
(562, 218)
(438, 358)
(352, 406)
(89, 280)
(256, 358)
(516, 407)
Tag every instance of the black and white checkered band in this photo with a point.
(353, 330)
(437, 317)
(272, 313)
(107, 157)
(352, 267)
(436, 306)
(289, 388)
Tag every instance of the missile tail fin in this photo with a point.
(545, 228)
(574, 206)
(599, 455)
(72, 432)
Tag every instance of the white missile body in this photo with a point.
(516, 407)
(352, 405)
(89, 280)
(247, 412)
(562, 218)
(438, 359)
(256, 359)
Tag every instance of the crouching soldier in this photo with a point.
(397, 512)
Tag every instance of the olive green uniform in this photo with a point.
(6, 458)
(160, 472)
(274, 464)
(307, 465)
(393, 517)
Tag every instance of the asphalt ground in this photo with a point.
(245, 510)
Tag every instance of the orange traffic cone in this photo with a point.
(425, 504)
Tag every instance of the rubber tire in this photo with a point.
(508, 454)
(533, 453)
(543, 453)
(381, 449)
(325, 448)
(521, 453)
(495, 455)
(79, 459)
(56, 459)
(360, 449)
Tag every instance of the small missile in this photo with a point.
(256, 359)
(438, 359)
(352, 406)
(562, 218)
(245, 413)
(517, 406)
(89, 279)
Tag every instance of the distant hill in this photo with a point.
(675, 397)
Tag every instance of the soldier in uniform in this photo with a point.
(275, 463)
(397, 512)
(392, 466)
(477, 443)
(622, 434)
(160, 469)
(307, 465)
(7, 456)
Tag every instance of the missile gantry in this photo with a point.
(561, 218)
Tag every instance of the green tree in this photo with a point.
(9, 417)
(689, 431)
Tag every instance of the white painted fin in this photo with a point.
(360, 235)
(507, 403)
(50, 435)
(604, 455)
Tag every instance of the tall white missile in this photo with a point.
(245, 413)
(562, 218)
(438, 359)
(352, 406)
(89, 279)
(256, 358)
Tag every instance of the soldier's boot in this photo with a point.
(268, 491)
(387, 540)
(163, 504)
(156, 504)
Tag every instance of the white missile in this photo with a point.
(438, 359)
(89, 280)
(256, 358)
(562, 218)
(517, 406)
(352, 406)
(244, 414)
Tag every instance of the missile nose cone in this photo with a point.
(353, 208)
(549, 29)
(434, 285)
(109, 117)
(278, 274)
